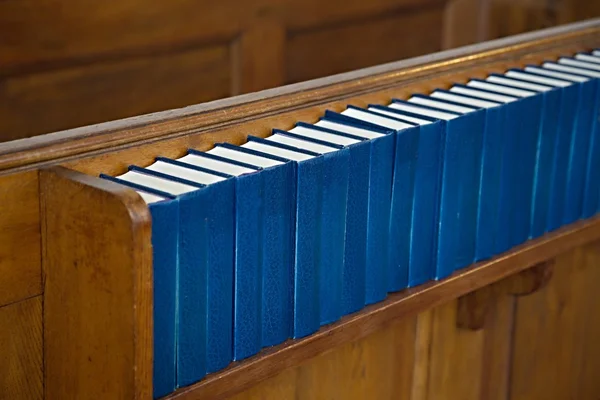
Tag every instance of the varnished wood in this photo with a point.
(206, 118)
(473, 307)
(404, 304)
(20, 264)
(554, 344)
(98, 289)
(112, 147)
(64, 60)
(21, 350)
(442, 361)
(530, 280)
(96, 257)
(379, 366)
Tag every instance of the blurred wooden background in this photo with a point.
(67, 63)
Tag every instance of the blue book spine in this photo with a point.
(278, 253)
(192, 281)
(580, 146)
(562, 149)
(450, 186)
(428, 175)
(379, 206)
(309, 174)
(544, 162)
(528, 128)
(355, 236)
(355, 255)
(249, 235)
(510, 171)
(591, 201)
(427, 197)
(333, 232)
(403, 184)
(380, 197)
(309, 220)
(165, 229)
(460, 193)
(472, 128)
(488, 223)
(220, 211)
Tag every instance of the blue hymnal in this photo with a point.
(591, 195)
(566, 125)
(402, 194)
(278, 239)
(205, 276)
(473, 121)
(308, 176)
(249, 227)
(333, 218)
(380, 194)
(579, 176)
(355, 253)
(506, 198)
(523, 129)
(488, 223)
(164, 211)
(450, 186)
(426, 193)
(546, 141)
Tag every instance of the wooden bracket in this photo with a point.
(473, 307)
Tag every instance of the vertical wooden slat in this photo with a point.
(588, 385)
(98, 289)
(21, 350)
(258, 59)
(456, 363)
(422, 355)
(550, 329)
(465, 22)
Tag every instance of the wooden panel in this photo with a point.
(331, 49)
(98, 289)
(20, 264)
(455, 363)
(59, 33)
(546, 347)
(21, 375)
(465, 22)
(315, 13)
(553, 332)
(82, 95)
(509, 17)
(588, 386)
(378, 367)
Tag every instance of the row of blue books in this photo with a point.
(270, 240)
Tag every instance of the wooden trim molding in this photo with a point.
(193, 119)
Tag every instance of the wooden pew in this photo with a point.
(76, 269)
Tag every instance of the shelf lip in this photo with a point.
(242, 375)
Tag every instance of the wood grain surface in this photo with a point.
(98, 289)
(21, 376)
